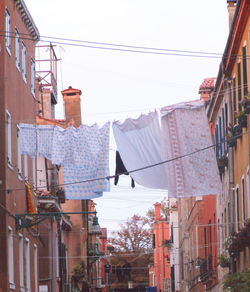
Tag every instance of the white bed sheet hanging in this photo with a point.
(185, 128)
(139, 142)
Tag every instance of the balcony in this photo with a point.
(238, 241)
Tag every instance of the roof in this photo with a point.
(27, 19)
(44, 121)
(71, 90)
(208, 83)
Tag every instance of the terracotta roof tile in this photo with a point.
(208, 83)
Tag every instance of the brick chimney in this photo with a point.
(231, 9)
(157, 211)
(206, 88)
(72, 106)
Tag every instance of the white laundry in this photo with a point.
(139, 142)
(86, 145)
(28, 139)
(36, 140)
(83, 154)
(82, 183)
(45, 141)
(185, 131)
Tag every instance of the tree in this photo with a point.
(132, 253)
(237, 281)
(133, 237)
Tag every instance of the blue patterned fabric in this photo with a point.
(83, 154)
(86, 190)
(44, 141)
(28, 139)
(36, 140)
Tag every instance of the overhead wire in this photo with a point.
(140, 111)
(120, 47)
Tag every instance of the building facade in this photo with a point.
(160, 272)
(17, 104)
(228, 115)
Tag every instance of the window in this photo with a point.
(205, 241)
(21, 262)
(217, 140)
(7, 30)
(27, 264)
(239, 84)
(57, 256)
(237, 211)
(19, 157)
(11, 258)
(244, 60)
(36, 267)
(220, 234)
(226, 117)
(223, 145)
(221, 153)
(225, 222)
(243, 200)
(24, 69)
(234, 99)
(248, 191)
(8, 139)
(33, 72)
(17, 48)
(210, 237)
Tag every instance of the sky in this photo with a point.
(120, 84)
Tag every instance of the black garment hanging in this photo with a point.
(120, 169)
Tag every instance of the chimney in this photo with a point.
(231, 9)
(206, 88)
(157, 211)
(72, 106)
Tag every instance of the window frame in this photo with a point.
(17, 50)
(27, 265)
(8, 137)
(33, 76)
(11, 258)
(24, 62)
(21, 260)
(7, 31)
(243, 199)
(19, 155)
(244, 70)
(36, 267)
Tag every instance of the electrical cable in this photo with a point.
(16, 122)
(121, 48)
(13, 35)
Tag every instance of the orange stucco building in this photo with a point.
(198, 231)
(228, 111)
(159, 272)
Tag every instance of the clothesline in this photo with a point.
(143, 143)
(129, 172)
(138, 111)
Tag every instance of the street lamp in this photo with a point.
(95, 228)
